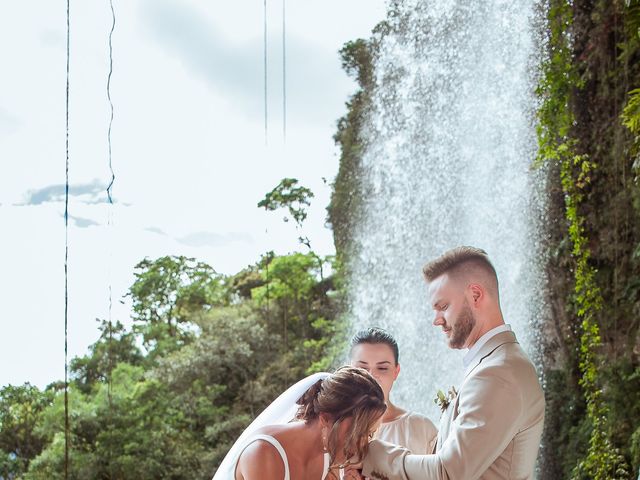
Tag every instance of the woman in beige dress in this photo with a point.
(377, 351)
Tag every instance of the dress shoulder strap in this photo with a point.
(276, 444)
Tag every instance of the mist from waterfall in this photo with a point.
(449, 147)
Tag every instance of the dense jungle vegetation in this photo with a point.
(589, 137)
(215, 350)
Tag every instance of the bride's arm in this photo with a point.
(260, 461)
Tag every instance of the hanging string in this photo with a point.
(66, 264)
(268, 281)
(113, 26)
(265, 72)
(110, 198)
(284, 73)
(110, 229)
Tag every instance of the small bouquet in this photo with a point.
(443, 400)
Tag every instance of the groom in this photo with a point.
(491, 429)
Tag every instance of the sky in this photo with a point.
(189, 150)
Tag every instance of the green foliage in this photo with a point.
(622, 395)
(114, 346)
(347, 195)
(231, 350)
(635, 449)
(287, 194)
(590, 59)
(296, 304)
(136, 432)
(357, 61)
(173, 411)
(21, 408)
(567, 430)
(631, 120)
(559, 78)
(290, 277)
(329, 348)
(603, 461)
(631, 112)
(166, 293)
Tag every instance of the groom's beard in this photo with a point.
(462, 328)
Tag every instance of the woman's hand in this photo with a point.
(353, 472)
(353, 475)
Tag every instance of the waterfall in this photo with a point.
(449, 147)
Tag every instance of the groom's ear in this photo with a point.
(477, 293)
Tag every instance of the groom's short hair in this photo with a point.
(376, 335)
(461, 261)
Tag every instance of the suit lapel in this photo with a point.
(449, 416)
(488, 348)
(445, 424)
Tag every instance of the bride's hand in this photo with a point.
(352, 472)
(352, 475)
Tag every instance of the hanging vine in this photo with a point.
(556, 144)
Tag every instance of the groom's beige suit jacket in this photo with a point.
(490, 431)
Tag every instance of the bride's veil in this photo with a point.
(282, 410)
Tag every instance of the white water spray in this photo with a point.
(450, 143)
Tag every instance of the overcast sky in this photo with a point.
(188, 147)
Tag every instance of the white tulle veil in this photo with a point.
(282, 410)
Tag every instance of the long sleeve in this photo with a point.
(385, 461)
(491, 431)
(489, 410)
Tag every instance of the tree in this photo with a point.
(214, 378)
(287, 194)
(20, 410)
(166, 293)
(173, 410)
(114, 346)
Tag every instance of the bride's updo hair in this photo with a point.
(349, 393)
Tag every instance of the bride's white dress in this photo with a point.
(281, 411)
(283, 454)
(278, 447)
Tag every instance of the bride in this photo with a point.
(334, 416)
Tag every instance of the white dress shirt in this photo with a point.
(473, 351)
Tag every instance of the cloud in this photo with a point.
(83, 222)
(89, 193)
(206, 239)
(156, 230)
(211, 239)
(8, 123)
(237, 70)
(184, 32)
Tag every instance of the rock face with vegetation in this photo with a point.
(589, 143)
(588, 139)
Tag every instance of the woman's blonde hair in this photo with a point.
(348, 393)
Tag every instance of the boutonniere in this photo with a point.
(444, 399)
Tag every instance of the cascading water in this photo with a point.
(450, 142)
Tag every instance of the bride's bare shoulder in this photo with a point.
(260, 460)
(277, 430)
